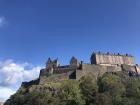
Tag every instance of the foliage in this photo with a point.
(111, 89)
(103, 99)
(89, 88)
(71, 93)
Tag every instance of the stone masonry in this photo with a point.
(100, 63)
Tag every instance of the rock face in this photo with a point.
(100, 63)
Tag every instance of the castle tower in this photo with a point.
(49, 63)
(74, 62)
(55, 63)
(52, 63)
(93, 58)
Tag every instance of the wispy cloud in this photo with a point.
(12, 74)
(2, 21)
(5, 93)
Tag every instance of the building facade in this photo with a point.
(112, 59)
(100, 63)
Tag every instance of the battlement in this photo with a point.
(112, 59)
(115, 54)
(100, 63)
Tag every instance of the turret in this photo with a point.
(49, 63)
(52, 63)
(74, 62)
(93, 58)
(55, 63)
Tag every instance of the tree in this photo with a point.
(103, 99)
(70, 93)
(112, 84)
(89, 88)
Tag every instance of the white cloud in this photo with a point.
(2, 21)
(12, 74)
(5, 93)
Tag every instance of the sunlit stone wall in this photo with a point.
(112, 59)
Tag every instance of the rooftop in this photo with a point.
(108, 53)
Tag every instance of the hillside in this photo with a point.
(111, 89)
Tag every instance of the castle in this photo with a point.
(99, 64)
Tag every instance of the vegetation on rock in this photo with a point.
(111, 89)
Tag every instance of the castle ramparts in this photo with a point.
(112, 59)
(100, 63)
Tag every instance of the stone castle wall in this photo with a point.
(100, 63)
(55, 77)
(96, 70)
(87, 69)
(138, 69)
(112, 59)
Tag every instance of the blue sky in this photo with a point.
(33, 30)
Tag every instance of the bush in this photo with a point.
(70, 93)
(89, 88)
(111, 89)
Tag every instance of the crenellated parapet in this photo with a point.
(110, 53)
(74, 63)
(100, 63)
(52, 63)
(112, 59)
